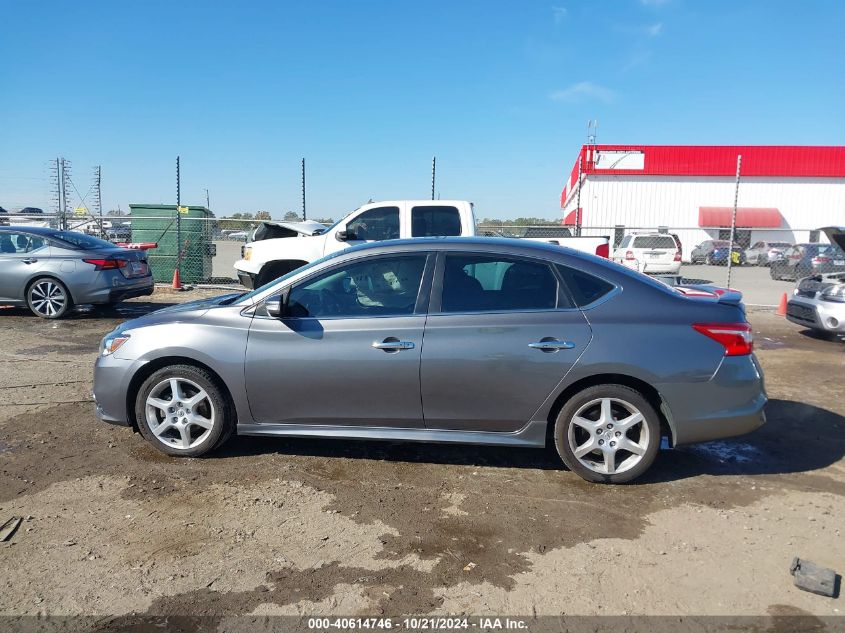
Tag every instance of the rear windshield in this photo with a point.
(81, 240)
(654, 241)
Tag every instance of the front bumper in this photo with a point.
(112, 379)
(247, 280)
(828, 316)
(729, 404)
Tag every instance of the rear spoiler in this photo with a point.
(708, 291)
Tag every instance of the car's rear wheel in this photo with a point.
(48, 298)
(608, 434)
(181, 410)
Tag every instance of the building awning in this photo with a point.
(746, 217)
(571, 218)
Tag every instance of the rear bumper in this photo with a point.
(113, 288)
(731, 403)
(827, 316)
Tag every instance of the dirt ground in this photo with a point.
(266, 526)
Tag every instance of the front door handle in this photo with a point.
(392, 344)
(29, 260)
(551, 345)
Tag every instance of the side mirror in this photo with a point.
(275, 306)
(341, 236)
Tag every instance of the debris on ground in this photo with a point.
(470, 566)
(813, 578)
(9, 528)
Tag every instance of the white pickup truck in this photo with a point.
(279, 247)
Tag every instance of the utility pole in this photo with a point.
(433, 174)
(98, 199)
(578, 199)
(303, 190)
(178, 219)
(733, 220)
(207, 201)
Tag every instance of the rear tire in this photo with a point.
(182, 411)
(596, 428)
(48, 298)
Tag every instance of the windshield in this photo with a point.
(249, 297)
(81, 240)
(338, 222)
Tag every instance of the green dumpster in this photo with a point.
(158, 223)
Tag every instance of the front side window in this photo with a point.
(481, 283)
(376, 286)
(381, 223)
(435, 221)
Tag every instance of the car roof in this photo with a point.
(481, 244)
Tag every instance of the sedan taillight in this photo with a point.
(106, 264)
(737, 338)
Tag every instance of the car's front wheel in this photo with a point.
(48, 298)
(182, 410)
(608, 434)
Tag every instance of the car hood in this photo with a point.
(180, 312)
(836, 235)
(306, 227)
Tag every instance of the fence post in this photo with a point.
(733, 221)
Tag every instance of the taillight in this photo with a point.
(629, 254)
(677, 256)
(603, 250)
(737, 338)
(106, 264)
(820, 260)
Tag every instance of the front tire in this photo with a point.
(182, 411)
(48, 298)
(608, 434)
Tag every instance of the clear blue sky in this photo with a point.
(368, 92)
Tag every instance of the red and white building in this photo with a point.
(785, 192)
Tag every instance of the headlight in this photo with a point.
(834, 293)
(247, 253)
(113, 342)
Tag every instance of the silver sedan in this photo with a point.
(50, 270)
(479, 341)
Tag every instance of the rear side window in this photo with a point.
(585, 288)
(435, 221)
(654, 241)
(625, 241)
(482, 283)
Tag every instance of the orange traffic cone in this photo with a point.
(177, 282)
(782, 307)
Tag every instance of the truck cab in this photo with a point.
(268, 259)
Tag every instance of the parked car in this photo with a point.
(818, 301)
(480, 341)
(4, 217)
(763, 253)
(269, 256)
(51, 270)
(649, 253)
(119, 232)
(803, 260)
(715, 253)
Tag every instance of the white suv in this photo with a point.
(649, 253)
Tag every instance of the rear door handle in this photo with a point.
(393, 345)
(551, 345)
(29, 260)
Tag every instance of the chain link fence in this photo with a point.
(763, 266)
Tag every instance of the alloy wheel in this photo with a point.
(608, 436)
(179, 413)
(47, 298)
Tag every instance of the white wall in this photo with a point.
(648, 202)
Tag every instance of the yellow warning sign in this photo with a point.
(182, 210)
(80, 211)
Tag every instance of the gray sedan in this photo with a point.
(51, 270)
(479, 341)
